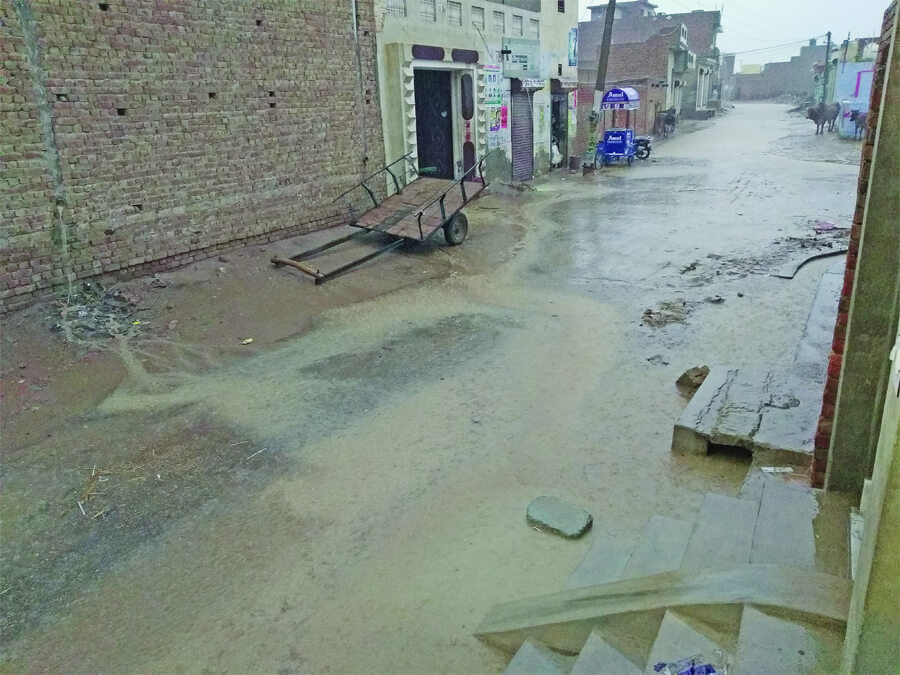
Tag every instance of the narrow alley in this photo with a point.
(349, 496)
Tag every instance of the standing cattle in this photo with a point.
(665, 122)
(824, 114)
(860, 119)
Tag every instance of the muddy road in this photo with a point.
(347, 493)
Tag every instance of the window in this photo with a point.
(499, 22)
(517, 25)
(396, 7)
(478, 17)
(454, 13)
(426, 10)
(534, 29)
(561, 6)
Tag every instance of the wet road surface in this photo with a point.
(353, 498)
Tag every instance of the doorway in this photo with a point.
(559, 125)
(434, 122)
(522, 133)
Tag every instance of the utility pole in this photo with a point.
(604, 56)
(827, 65)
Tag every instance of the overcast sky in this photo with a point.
(764, 24)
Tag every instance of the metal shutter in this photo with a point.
(522, 135)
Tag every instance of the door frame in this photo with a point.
(457, 125)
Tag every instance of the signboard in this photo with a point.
(573, 47)
(493, 80)
(521, 58)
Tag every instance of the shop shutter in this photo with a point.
(522, 136)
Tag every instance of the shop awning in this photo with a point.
(625, 98)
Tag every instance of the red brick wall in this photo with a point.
(242, 121)
(826, 418)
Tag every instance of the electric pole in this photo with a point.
(604, 55)
(827, 65)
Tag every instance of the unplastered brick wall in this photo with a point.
(835, 361)
(140, 135)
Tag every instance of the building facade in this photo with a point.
(461, 79)
(138, 137)
(691, 76)
(796, 77)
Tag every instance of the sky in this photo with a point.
(766, 24)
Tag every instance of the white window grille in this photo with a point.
(396, 7)
(517, 25)
(499, 22)
(427, 10)
(478, 17)
(454, 13)
(534, 29)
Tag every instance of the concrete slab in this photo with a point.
(599, 658)
(558, 516)
(533, 657)
(677, 640)
(811, 357)
(603, 563)
(697, 420)
(768, 644)
(774, 411)
(723, 535)
(660, 548)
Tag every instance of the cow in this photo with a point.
(860, 119)
(666, 121)
(823, 114)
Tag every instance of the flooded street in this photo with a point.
(350, 497)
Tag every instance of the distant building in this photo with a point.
(677, 52)
(796, 77)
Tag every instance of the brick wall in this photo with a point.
(142, 135)
(835, 361)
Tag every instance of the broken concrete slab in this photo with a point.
(558, 516)
(773, 411)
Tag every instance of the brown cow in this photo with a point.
(860, 119)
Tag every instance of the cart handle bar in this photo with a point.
(387, 168)
(462, 186)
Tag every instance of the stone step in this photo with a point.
(599, 658)
(603, 563)
(678, 639)
(534, 657)
(660, 548)
(769, 644)
(723, 534)
(802, 527)
(784, 531)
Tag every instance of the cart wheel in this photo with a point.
(630, 160)
(456, 230)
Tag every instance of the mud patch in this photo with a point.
(668, 312)
(67, 521)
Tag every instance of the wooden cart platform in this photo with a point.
(415, 210)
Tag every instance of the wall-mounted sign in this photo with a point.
(533, 83)
(521, 58)
(493, 81)
(573, 46)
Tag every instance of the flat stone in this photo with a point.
(558, 516)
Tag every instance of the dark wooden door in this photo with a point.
(434, 122)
